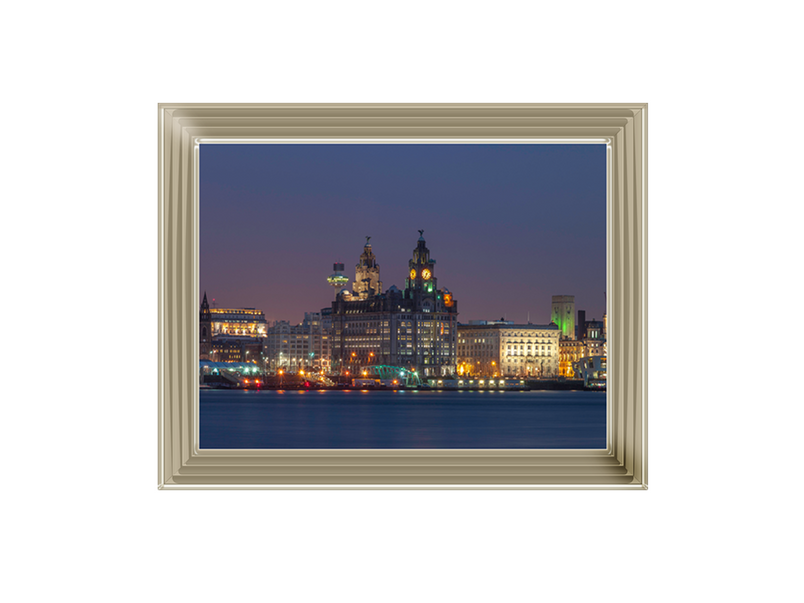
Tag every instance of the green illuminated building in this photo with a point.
(563, 314)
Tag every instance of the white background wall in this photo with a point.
(84, 520)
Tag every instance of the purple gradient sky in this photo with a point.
(508, 225)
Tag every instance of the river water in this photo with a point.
(402, 419)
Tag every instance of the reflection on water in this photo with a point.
(402, 419)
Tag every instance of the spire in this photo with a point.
(421, 255)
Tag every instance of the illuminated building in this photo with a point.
(221, 328)
(570, 352)
(592, 333)
(414, 328)
(594, 347)
(367, 274)
(590, 341)
(246, 322)
(504, 349)
(243, 349)
(563, 314)
(303, 346)
(592, 329)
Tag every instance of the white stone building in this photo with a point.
(303, 346)
(504, 349)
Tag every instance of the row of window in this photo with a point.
(517, 361)
(522, 347)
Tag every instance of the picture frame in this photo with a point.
(183, 127)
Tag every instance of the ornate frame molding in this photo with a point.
(183, 127)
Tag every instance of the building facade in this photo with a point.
(570, 352)
(367, 275)
(594, 347)
(305, 346)
(592, 334)
(589, 341)
(235, 333)
(243, 322)
(242, 348)
(563, 314)
(414, 328)
(504, 349)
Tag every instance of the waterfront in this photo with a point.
(300, 419)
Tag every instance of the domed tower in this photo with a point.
(367, 274)
(337, 280)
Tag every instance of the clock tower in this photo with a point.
(415, 329)
(421, 282)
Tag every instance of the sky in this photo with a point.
(509, 225)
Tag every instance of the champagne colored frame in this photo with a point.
(622, 127)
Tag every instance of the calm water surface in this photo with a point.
(402, 419)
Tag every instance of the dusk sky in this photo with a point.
(508, 225)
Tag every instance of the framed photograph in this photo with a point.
(403, 296)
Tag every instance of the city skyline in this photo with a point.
(509, 225)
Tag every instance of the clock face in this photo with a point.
(413, 274)
(426, 274)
